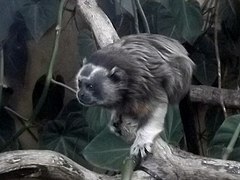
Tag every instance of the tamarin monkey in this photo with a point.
(136, 78)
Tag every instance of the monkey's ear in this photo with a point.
(117, 74)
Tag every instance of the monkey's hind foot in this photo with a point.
(141, 147)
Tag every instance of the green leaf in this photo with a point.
(54, 101)
(214, 118)
(127, 5)
(68, 136)
(223, 137)
(173, 130)
(7, 129)
(39, 16)
(97, 118)
(106, 151)
(206, 63)
(86, 43)
(6, 18)
(178, 19)
(206, 71)
(73, 108)
(8, 12)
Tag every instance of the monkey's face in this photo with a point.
(99, 86)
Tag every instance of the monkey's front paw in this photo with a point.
(141, 147)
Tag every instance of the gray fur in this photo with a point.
(152, 62)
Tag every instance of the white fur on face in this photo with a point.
(94, 68)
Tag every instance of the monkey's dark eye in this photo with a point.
(89, 86)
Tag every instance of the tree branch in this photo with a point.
(167, 163)
(46, 165)
(98, 21)
(212, 95)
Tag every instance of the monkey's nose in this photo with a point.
(80, 94)
(83, 98)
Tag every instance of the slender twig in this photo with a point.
(73, 11)
(16, 114)
(218, 55)
(47, 82)
(119, 6)
(64, 85)
(232, 7)
(142, 14)
(204, 5)
(23, 121)
(14, 137)
(1, 75)
(51, 65)
(209, 15)
(136, 24)
(129, 165)
(232, 143)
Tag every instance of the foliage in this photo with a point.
(173, 130)
(213, 119)
(97, 118)
(178, 19)
(106, 151)
(203, 55)
(20, 21)
(80, 132)
(69, 133)
(54, 101)
(221, 141)
(7, 129)
(38, 16)
(86, 43)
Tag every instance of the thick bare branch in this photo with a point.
(98, 21)
(212, 95)
(172, 163)
(45, 164)
(167, 163)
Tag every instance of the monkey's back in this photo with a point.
(153, 63)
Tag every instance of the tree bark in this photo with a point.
(211, 95)
(44, 164)
(167, 163)
(98, 21)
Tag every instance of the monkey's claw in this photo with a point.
(141, 148)
(115, 130)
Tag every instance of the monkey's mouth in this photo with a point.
(85, 102)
